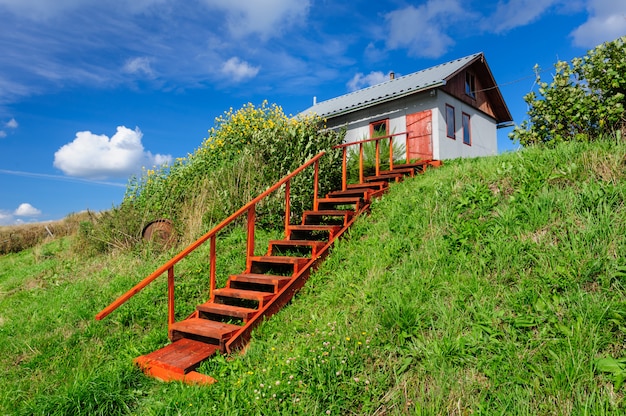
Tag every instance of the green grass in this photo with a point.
(488, 286)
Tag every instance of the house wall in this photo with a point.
(484, 139)
(483, 129)
(358, 122)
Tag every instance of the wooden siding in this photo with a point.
(488, 99)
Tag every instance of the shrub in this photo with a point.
(585, 99)
(246, 151)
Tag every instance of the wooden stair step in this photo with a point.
(176, 362)
(311, 246)
(211, 331)
(178, 358)
(405, 171)
(375, 184)
(356, 192)
(331, 203)
(387, 177)
(414, 165)
(267, 279)
(227, 310)
(227, 292)
(334, 214)
(298, 261)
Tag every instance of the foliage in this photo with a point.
(487, 286)
(369, 157)
(584, 101)
(246, 151)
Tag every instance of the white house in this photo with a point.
(448, 111)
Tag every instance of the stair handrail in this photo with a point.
(211, 235)
(344, 163)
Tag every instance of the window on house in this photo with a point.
(467, 131)
(379, 128)
(450, 127)
(470, 85)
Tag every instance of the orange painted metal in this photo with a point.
(344, 169)
(344, 147)
(377, 157)
(287, 207)
(316, 183)
(212, 262)
(171, 318)
(250, 244)
(360, 162)
(146, 281)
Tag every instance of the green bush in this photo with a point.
(584, 101)
(247, 151)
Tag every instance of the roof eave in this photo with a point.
(373, 103)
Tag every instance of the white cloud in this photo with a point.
(5, 218)
(427, 38)
(3, 134)
(266, 18)
(139, 65)
(239, 70)
(516, 13)
(99, 157)
(606, 22)
(12, 124)
(359, 80)
(26, 210)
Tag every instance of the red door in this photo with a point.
(419, 142)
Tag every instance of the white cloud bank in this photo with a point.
(422, 29)
(606, 22)
(26, 210)
(239, 70)
(139, 65)
(99, 157)
(11, 124)
(360, 80)
(266, 18)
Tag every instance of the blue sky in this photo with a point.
(92, 91)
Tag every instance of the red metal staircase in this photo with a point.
(224, 323)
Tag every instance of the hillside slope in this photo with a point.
(487, 286)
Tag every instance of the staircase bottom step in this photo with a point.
(177, 361)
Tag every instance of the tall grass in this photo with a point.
(488, 286)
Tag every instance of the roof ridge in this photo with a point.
(395, 79)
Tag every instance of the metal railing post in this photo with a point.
(360, 162)
(316, 176)
(212, 263)
(171, 318)
(377, 157)
(344, 170)
(287, 207)
(250, 245)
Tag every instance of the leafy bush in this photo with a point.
(247, 151)
(584, 101)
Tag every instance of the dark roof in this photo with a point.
(424, 80)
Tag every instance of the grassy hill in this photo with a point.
(488, 286)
